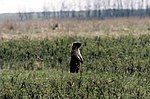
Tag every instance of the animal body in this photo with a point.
(76, 58)
(55, 26)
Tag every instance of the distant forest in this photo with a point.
(97, 9)
(87, 14)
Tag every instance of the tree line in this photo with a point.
(99, 9)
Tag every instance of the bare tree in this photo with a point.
(148, 8)
(79, 6)
(45, 11)
(88, 8)
(24, 15)
(20, 15)
(97, 7)
(54, 12)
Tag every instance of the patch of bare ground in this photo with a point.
(39, 29)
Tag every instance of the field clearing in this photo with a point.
(87, 28)
(116, 56)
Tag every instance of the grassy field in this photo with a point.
(40, 29)
(36, 65)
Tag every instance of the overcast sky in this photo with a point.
(10, 6)
(32, 5)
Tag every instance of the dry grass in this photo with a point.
(44, 28)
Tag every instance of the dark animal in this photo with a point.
(76, 58)
(55, 26)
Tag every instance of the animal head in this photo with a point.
(76, 45)
(55, 26)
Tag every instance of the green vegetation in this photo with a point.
(113, 68)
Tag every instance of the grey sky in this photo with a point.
(38, 5)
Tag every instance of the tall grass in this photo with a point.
(61, 85)
(113, 68)
(125, 54)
